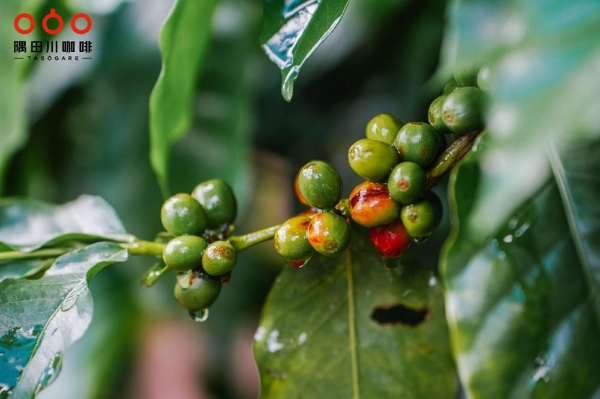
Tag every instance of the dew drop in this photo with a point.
(199, 316)
(72, 297)
(419, 240)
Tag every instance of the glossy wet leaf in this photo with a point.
(346, 327)
(544, 59)
(521, 303)
(293, 30)
(13, 132)
(28, 224)
(184, 40)
(39, 319)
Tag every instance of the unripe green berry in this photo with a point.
(419, 219)
(219, 258)
(466, 76)
(218, 201)
(383, 127)
(434, 115)
(417, 142)
(407, 182)
(372, 160)
(181, 214)
(291, 242)
(328, 233)
(462, 110)
(371, 205)
(197, 291)
(320, 184)
(297, 191)
(184, 252)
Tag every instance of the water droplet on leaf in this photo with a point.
(50, 372)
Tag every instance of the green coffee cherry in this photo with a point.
(184, 252)
(434, 115)
(320, 184)
(383, 127)
(483, 79)
(371, 159)
(197, 291)
(218, 201)
(219, 258)
(291, 242)
(181, 214)
(419, 219)
(462, 110)
(466, 76)
(450, 86)
(371, 205)
(407, 182)
(328, 233)
(417, 142)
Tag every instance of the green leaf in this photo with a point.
(293, 30)
(544, 59)
(184, 40)
(522, 303)
(13, 132)
(346, 327)
(39, 319)
(27, 224)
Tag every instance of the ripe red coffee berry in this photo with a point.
(371, 205)
(390, 240)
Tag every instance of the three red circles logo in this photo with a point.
(53, 16)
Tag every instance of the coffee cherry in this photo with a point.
(184, 252)
(419, 219)
(292, 243)
(466, 76)
(390, 240)
(297, 190)
(449, 87)
(434, 115)
(328, 233)
(371, 205)
(462, 110)
(218, 200)
(383, 127)
(219, 258)
(320, 184)
(371, 159)
(417, 142)
(197, 291)
(407, 182)
(181, 214)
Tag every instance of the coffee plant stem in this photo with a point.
(140, 247)
(248, 240)
(450, 157)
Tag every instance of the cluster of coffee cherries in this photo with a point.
(395, 201)
(199, 252)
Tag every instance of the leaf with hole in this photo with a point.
(293, 30)
(346, 327)
(39, 319)
(523, 304)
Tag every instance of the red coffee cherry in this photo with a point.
(371, 205)
(390, 240)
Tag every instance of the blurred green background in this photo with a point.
(88, 133)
